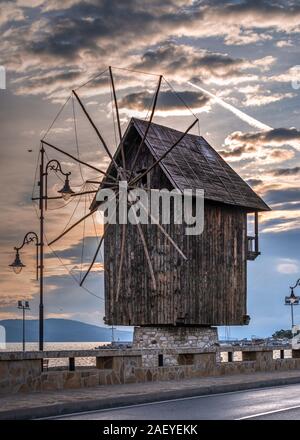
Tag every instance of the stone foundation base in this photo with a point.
(170, 340)
(175, 337)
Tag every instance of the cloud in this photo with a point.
(288, 266)
(282, 195)
(168, 102)
(200, 64)
(285, 171)
(254, 182)
(274, 145)
(284, 43)
(87, 35)
(249, 14)
(241, 115)
(274, 137)
(10, 12)
(257, 96)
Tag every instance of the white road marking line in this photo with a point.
(116, 408)
(269, 412)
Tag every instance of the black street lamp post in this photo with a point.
(66, 192)
(292, 300)
(23, 305)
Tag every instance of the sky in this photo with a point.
(244, 53)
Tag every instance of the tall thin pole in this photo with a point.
(41, 308)
(292, 313)
(23, 328)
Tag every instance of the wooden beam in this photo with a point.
(71, 227)
(148, 126)
(123, 241)
(116, 102)
(96, 129)
(140, 176)
(118, 117)
(141, 233)
(95, 256)
(169, 238)
(256, 231)
(97, 250)
(77, 160)
(147, 255)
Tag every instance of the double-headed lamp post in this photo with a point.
(65, 193)
(293, 300)
(23, 305)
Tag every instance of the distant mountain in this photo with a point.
(61, 330)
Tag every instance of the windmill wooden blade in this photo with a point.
(147, 255)
(140, 176)
(117, 114)
(72, 226)
(96, 129)
(169, 238)
(76, 223)
(95, 255)
(78, 160)
(141, 233)
(98, 247)
(148, 126)
(123, 236)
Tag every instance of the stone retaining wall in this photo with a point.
(22, 372)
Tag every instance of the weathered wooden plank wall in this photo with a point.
(207, 289)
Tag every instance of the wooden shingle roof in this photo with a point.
(194, 164)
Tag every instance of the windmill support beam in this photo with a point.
(96, 129)
(140, 176)
(76, 159)
(148, 126)
(117, 114)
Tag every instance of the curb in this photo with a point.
(61, 409)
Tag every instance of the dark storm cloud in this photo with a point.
(84, 24)
(282, 195)
(263, 145)
(288, 206)
(54, 78)
(237, 151)
(167, 100)
(271, 137)
(172, 58)
(285, 171)
(254, 182)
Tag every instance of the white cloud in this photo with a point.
(288, 266)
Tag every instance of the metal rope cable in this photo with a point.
(95, 229)
(64, 265)
(113, 116)
(83, 238)
(73, 213)
(56, 117)
(136, 71)
(91, 79)
(35, 174)
(180, 98)
(76, 138)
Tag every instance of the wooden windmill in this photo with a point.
(155, 275)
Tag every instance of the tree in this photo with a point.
(280, 334)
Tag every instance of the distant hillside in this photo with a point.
(61, 330)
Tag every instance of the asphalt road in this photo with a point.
(276, 403)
